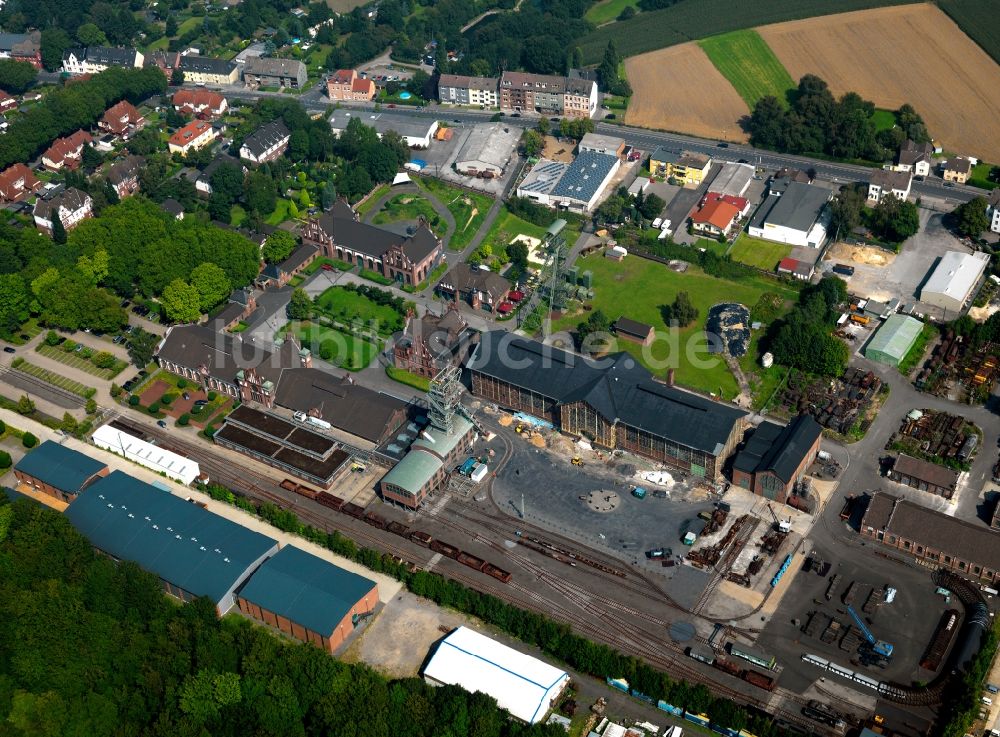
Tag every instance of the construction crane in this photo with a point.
(778, 524)
(881, 647)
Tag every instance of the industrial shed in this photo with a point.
(953, 280)
(432, 456)
(487, 150)
(58, 471)
(160, 460)
(523, 685)
(893, 340)
(308, 598)
(193, 551)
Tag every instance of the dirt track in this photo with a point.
(679, 89)
(908, 53)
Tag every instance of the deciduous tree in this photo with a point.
(181, 301)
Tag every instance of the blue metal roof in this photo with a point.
(183, 544)
(58, 466)
(305, 589)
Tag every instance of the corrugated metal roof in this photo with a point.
(58, 466)
(520, 683)
(956, 274)
(180, 542)
(306, 589)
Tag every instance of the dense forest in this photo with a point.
(90, 648)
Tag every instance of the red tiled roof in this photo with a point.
(61, 148)
(362, 85)
(120, 116)
(739, 203)
(198, 99)
(718, 213)
(189, 132)
(342, 76)
(788, 264)
(12, 175)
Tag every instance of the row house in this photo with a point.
(71, 207)
(121, 119)
(26, 47)
(546, 94)
(462, 90)
(267, 143)
(95, 59)
(345, 84)
(124, 175)
(200, 103)
(209, 70)
(193, 136)
(406, 259)
(267, 72)
(17, 182)
(67, 152)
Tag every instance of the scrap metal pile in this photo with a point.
(836, 404)
(936, 435)
(729, 322)
(954, 361)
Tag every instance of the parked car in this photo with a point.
(8, 349)
(161, 423)
(200, 402)
(186, 396)
(118, 339)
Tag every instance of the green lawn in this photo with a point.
(335, 346)
(468, 208)
(345, 306)
(188, 25)
(757, 252)
(637, 288)
(318, 264)
(421, 383)
(280, 214)
(748, 63)
(159, 44)
(712, 245)
(607, 10)
(410, 206)
(237, 215)
(507, 226)
(78, 362)
(375, 196)
(764, 382)
(884, 119)
(980, 176)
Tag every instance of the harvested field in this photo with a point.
(911, 53)
(679, 89)
(867, 255)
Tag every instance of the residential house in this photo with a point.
(687, 168)
(7, 102)
(717, 214)
(201, 103)
(884, 181)
(957, 169)
(548, 95)
(633, 331)
(121, 119)
(267, 143)
(207, 70)
(458, 89)
(278, 275)
(165, 61)
(345, 84)
(71, 207)
(195, 135)
(203, 184)
(479, 287)
(66, 153)
(915, 157)
(775, 458)
(17, 182)
(173, 208)
(260, 71)
(785, 176)
(993, 210)
(796, 269)
(124, 175)
(407, 259)
(25, 47)
(95, 59)
(432, 342)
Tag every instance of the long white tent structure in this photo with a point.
(158, 459)
(523, 685)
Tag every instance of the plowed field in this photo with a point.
(909, 53)
(679, 89)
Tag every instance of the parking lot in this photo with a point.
(908, 623)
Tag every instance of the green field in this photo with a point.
(884, 120)
(410, 207)
(345, 306)
(980, 21)
(980, 176)
(281, 212)
(336, 346)
(637, 288)
(421, 383)
(189, 25)
(605, 11)
(690, 20)
(468, 208)
(757, 252)
(745, 59)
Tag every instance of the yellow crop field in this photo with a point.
(907, 53)
(679, 89)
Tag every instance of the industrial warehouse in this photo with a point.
(614, 402)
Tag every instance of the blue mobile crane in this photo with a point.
(881, 647)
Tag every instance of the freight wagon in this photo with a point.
(306, 491)
(466, 559)
(421, 538)
(759, 680)
(397, 528)
(288, 485)
(498, 573)
(329, 500)
(375, 520)
(449, 551)
(353, 510)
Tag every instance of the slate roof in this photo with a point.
(72, 200)
(372, 240)
(268, 67)
(910, 153)
(616, 386)
(779, 450)
(958, 164)
(266, 137)
(889, 180)
(126, 169)
(60, 467)
(207, 65)
(472, 83)
(21, 44)
(172, 206)
(347, 406)
(208, 171)
(104, 55)
(224, 355)
(299, 256)
(465, 278)
(180, 542)
(797, 209)
(306, 589)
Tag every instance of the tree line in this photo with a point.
(78, 104)
(813, 121)
(803, 339)
(94, 647)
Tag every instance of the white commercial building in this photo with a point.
(954, 279)
(523, 685)
(577, 187)
(158, 459)
(799, 217)
(417, 132)
(733, 179)
(487, 150)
